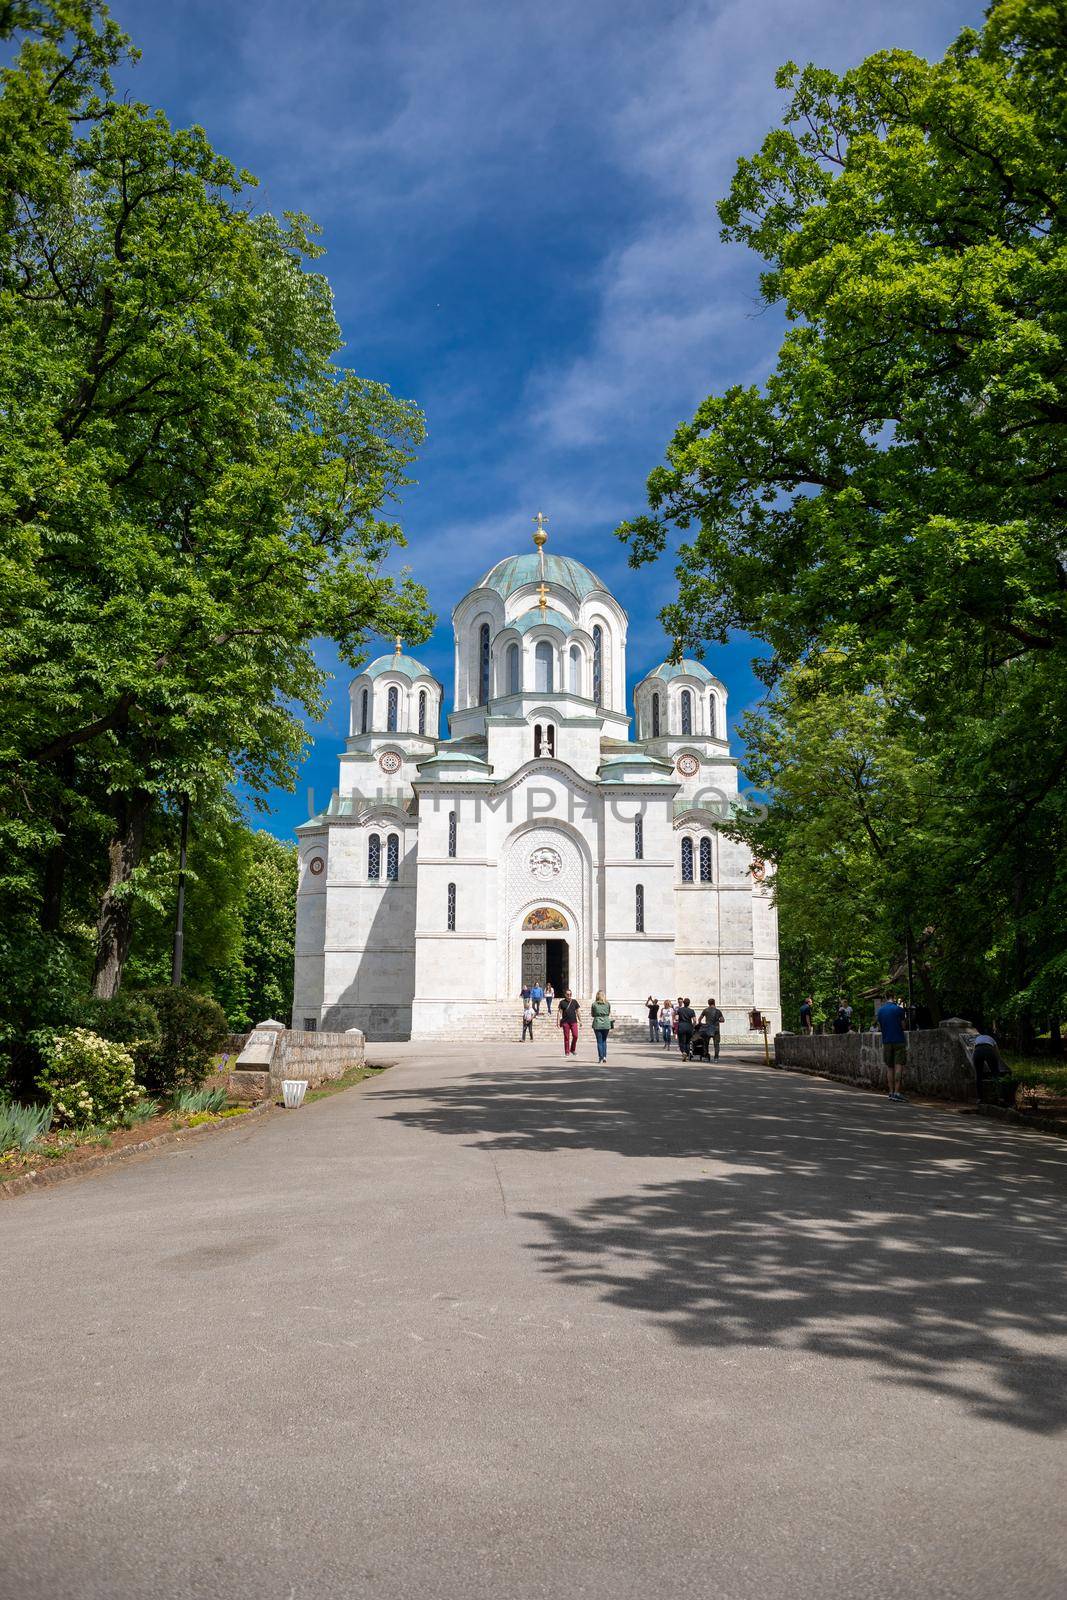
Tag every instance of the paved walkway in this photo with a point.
(500, 1325)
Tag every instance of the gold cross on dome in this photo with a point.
(399, 644)
(542, 599)
(540, 533)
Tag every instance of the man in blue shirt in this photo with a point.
(890, 1019)
(537, 994)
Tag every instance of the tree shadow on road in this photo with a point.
(817, 1219)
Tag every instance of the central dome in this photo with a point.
(515, 571)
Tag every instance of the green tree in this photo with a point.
(258, 982)
(902, 473)
(892, 499)
(191, 488)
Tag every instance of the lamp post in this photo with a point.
(179, 917)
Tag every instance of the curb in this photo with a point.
(1022, 1119)
(47, 1176)
(1018, 1119)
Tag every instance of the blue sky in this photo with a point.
(518, 205)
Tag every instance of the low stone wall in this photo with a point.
(317, 1057)
(274, 1053)
(938, 1064)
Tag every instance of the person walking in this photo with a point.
(711, 1020)
(890, 1020)
(685, 1021)
(550, 995)
(537, 994)
(568, 1014)
(806, 1025)
(666, 1023)
(652, 1007)
(600, 1016)
(527, 1021)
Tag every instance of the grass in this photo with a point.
(335, 1085)
(1039, 1078)
(141, 1111)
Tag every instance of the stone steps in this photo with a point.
(501, 1020)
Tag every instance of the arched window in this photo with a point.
(374, 858)
(514, 681)
(655, 716)
(713, 717)
(393, 709)
(483, 664)
(687, 860)
(687, 711)
(452, 833)
(574, 681)
(639, 908)
(598, 665)
(364, 708)
(639, 838)
(422, 710)
(544, 739)
(543, 667)
(705, 860)
(451, 908)
(392, 858)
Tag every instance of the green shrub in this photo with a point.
(21, 1125)
(192, 1100)
(193, 1029)
(128, 1018)
(88, 1080)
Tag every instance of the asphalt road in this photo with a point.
(497, 1325)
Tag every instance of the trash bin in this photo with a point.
(293, 1092)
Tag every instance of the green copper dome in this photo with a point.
(533, 619)
(515, 571)
(683, 669)
(407, 666)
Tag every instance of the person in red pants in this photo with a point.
(567, 1013)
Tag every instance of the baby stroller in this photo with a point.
(700, 1050)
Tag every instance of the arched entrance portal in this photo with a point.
(546, 948)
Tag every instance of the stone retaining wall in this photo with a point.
(939, 1063)
(274, 1053)
(317, 1057)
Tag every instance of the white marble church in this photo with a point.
(538, 840)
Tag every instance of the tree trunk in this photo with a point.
(55, 867)
(53, 879)
(926, 984)
(114, 927)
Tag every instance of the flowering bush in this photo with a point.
(88, 1079)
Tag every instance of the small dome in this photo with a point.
(407, 666)
(515, 571)
(533, 619)
(683, 669)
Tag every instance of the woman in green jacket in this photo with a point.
(601, 1018)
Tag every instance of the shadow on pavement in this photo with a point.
(819, 1220)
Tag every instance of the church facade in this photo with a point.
(539, 840)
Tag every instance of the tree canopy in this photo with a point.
(193, 487)
(892, 499)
